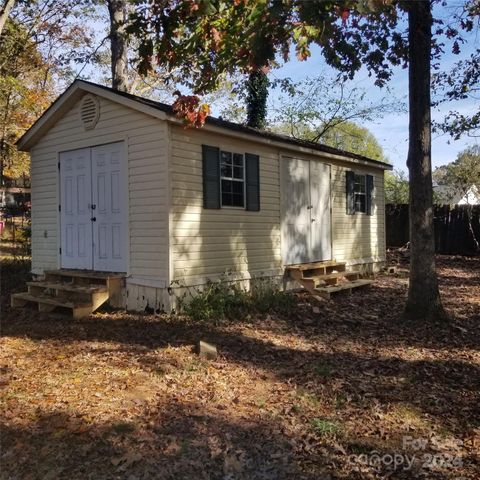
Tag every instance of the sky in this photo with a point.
(391, 131)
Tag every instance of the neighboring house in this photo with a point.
(120, 185)
(14, 195)
(445, 194)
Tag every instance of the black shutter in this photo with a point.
(350, 181)
(369, 188)
(252, 178)
(211, 176)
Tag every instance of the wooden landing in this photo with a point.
(326, 278)
(82, 292)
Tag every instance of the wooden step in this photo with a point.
(81, 291)
(47, 304)
(84, 274)
(95, 295)
(83, 277)
(329, 279)
(69, 287)
(327, 291)
(314, 269)
(314, 265)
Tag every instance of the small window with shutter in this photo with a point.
(359, 193)
(230, 179)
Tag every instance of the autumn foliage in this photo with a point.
(189, 109)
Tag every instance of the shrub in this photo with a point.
(224, 299)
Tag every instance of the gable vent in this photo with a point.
(89, 112)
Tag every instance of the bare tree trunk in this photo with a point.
(118, 17)
(4, 12)
(423, 301)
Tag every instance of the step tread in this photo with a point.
(49, 300)
(345, 286)
(329, 276)
(68, 287)
(314, 265)
(85, 274)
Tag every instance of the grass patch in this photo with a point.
(324, 427)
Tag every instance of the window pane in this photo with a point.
(226, 170)
(237, 187)
(238, 160)
(238, 172)
(360, 181)
(360, 203)
(226, 164)
(232, 190)
(227, 186)
(226, 199)
(227, 158)
(237, 200)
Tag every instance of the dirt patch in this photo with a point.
(332, 392)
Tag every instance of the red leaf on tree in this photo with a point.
(188, 109)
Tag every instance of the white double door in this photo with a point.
(93, 208)
(306, 213)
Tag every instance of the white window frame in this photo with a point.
(243, 180)
(356, 192)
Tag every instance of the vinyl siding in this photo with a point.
(206, 243)
(357, 238)
(147, 147)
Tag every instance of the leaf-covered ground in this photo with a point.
(340, 390)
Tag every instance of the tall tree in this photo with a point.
(422, 302)
(25, 90)
(117, 10)
(40, 45)
(207, 39)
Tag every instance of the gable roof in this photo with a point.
(164, 112)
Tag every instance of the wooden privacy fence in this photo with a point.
(457, 228)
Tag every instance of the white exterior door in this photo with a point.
(75, 197)
(321, 235)
(109, 208)
(306, 222)
(93, 209)
(296, 213)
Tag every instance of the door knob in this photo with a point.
(93, 219)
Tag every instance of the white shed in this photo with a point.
(130, 205)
